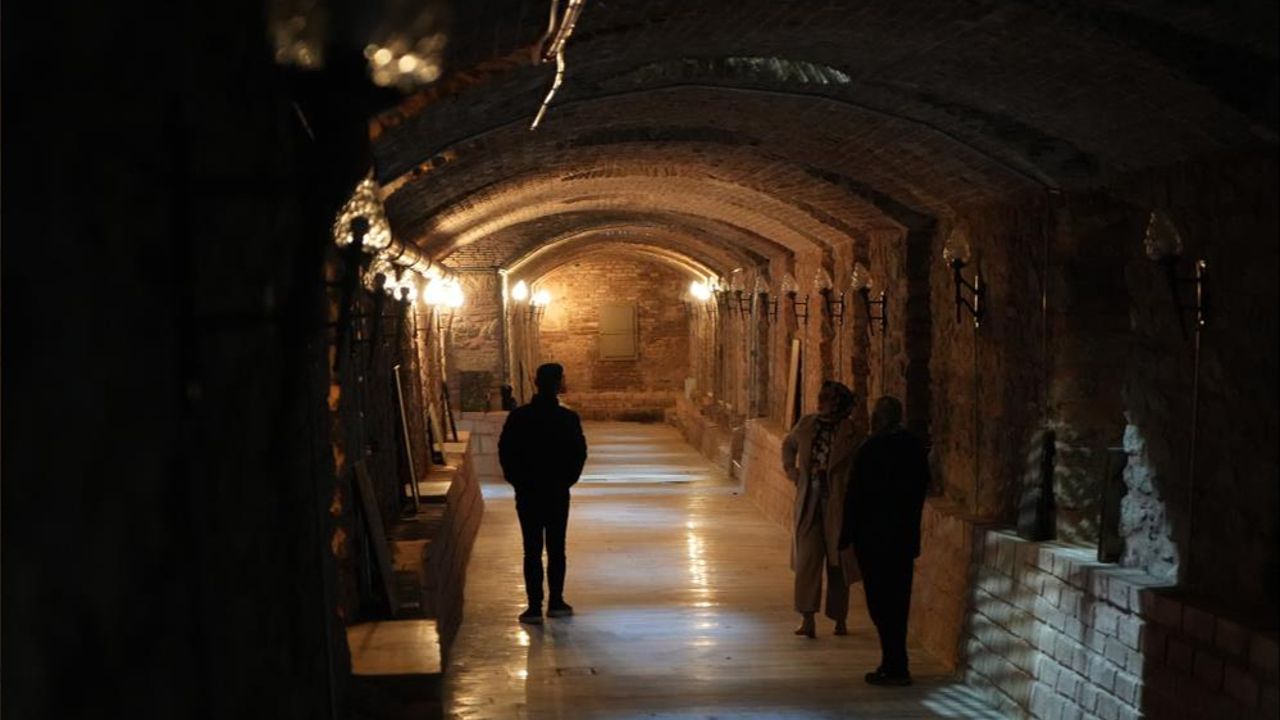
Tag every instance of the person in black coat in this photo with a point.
(882, 521)
(542, 451)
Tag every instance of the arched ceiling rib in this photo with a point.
(793, 125)
(697, 254)
(554, 256)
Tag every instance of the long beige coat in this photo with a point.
(795, 462)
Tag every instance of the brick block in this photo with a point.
(1116, 652)
(1129, 630)
(1108, 707)
(1118, 591)
(1179, 655)
(1208, 669)
(1069, 685)
(1102, 673)
(1088, 700)
(1128, 688)
(1240, 685)
(1198, 624)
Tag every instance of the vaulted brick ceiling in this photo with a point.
(740, 131)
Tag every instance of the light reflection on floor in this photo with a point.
(684, 611)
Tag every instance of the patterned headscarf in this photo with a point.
(844, 397)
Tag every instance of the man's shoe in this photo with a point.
(880, 677)
(559, 608)
(532, 616)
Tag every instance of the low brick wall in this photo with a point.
(483, 448)
(618, 405)
(446, 556)
(763, 480)
(703, 432)
(1052, 633)
(940, 595)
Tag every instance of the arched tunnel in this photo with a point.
(270, 268)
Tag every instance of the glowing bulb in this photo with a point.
(700, 290)
(542, 298)
(520, 292)
(453, 295)
(434, 293)
(382, 56)
(408, 63)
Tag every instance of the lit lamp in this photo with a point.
(743, 300)
(862, 283)
(768, 309)
(721, 292)
(520, 292)
(538, 305)
(1163, 244)
(792, 291)
(955, 253)
(823, 284)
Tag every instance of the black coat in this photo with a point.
(542, 449)
(886, 495)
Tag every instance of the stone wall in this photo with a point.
(569, 331)
(475, 339)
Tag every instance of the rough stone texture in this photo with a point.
(987, 381)
(475, 341)
(1220, 210)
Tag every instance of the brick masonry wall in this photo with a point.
(485, 428)
(569, 332)
(447, 556)
(763, 479)
(1052, 633)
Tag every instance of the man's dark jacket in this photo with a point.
(886, 495)
(542, 449)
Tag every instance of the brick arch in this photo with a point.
(1063, 94)
(696, 260)
(894, 170)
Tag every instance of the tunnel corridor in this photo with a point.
(274, 272)
(683, 604)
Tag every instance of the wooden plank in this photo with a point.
(793, 382)
(408, 444)
(377, 534)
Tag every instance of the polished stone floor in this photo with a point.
(683, 598)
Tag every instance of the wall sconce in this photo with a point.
(1163, 244)
(862, 283)
(721, 292)
(792, 291)
(742, 300)
(955, 252)
(443, 293)
(768, 308)
(823, 284)
(537, 306)
(520, 291)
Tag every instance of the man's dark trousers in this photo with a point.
(887, 582)
(543, 521)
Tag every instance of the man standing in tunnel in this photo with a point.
(542, 451)
(882, 522)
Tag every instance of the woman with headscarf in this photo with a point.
(816, 455)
